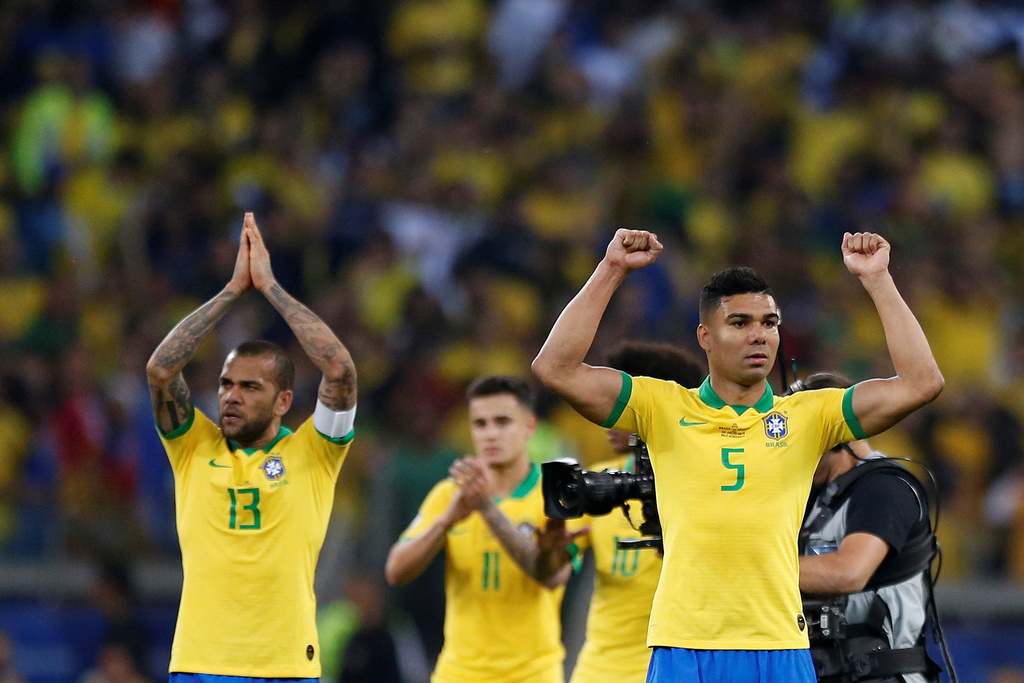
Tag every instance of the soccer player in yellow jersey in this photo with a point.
(615, 650)
(732, 461)
(252, 497)
(503, 576)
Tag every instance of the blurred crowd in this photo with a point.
(437, 177)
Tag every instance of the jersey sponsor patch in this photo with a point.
(776, 426)
(273, 468)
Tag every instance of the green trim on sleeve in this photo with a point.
(851, 418)
(575, 556)
(174, 434)
(621, 402)
(338, 440)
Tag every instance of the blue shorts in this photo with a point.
(213, 678)
(730, 666)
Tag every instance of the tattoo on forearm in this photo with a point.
(181, 343)
(523, 549)
(340, 394)
(338, 390)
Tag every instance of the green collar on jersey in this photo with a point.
(527, 484)
(283, 432)
(763, 405)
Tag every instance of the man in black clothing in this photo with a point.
(865, 549)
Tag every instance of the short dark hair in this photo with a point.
(492, 385)
(658, 360)
(729, 282)
(827, 380)
(284, 369)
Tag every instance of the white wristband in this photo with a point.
(332, 424)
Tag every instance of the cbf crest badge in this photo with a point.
(273, 467)
(776, 426)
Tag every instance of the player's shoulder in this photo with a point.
(885, 477)
(811, 399)
(199, 429)
(664, 389)
(445, 488)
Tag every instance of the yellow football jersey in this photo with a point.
(616, 649)
(250, 524)
(500, 625)
(732, 484)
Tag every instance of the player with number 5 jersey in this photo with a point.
(733, 462)
(252, 497)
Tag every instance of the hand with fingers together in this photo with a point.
(241, 278)
(470, 475)
(865, 253)
(633, 249)
(259, 256)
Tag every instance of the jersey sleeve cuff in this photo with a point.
(175, 433)
(339, 440)
(851, 418)
(621, 402)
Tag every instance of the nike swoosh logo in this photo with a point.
(684, 423)
(214, 464)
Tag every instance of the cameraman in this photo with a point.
(866, 548)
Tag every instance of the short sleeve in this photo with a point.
(432, 507)
(634, 407)
(835, 415)
(330, 452)
(883, 505)
(181, 444)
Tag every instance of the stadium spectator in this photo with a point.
(250, 488)
(866, 547)
(124, 633)
(503, 587)
(711, 450)
(115, 665)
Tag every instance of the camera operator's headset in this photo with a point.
(918, 554)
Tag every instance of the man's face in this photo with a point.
(248, 397)
(824, 468)
(501, 428)
(742, 338)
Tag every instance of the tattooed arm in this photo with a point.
(172, 400)
(542, 554)
(338, 386)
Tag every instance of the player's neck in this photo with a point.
(268, 435)
(734, 394)
(508, 477)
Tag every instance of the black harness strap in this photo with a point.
(919, 550)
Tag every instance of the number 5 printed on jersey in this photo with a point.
(739, 467)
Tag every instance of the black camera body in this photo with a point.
(826, 620)
(571, 492)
